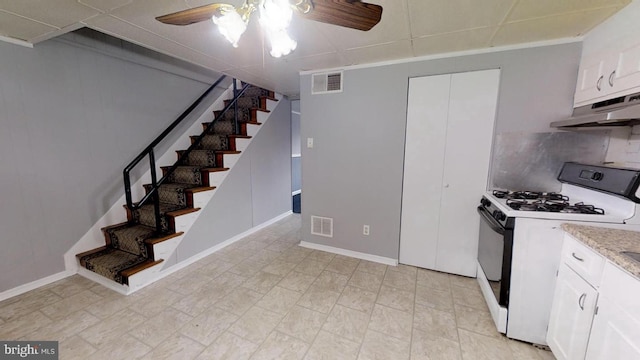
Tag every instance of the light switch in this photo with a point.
(309, 143)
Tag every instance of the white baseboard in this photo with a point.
(181, 265)
(109, 284)
(350, 253)
(126, 290)
(34, 284)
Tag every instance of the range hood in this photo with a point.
(620, 111)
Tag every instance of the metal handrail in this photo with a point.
(149, 151)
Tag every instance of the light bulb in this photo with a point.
(230, 25)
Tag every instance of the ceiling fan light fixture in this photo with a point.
(281, 43)
(232, 22)
(275, 17)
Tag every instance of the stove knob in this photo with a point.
(485, 202)
(501, 216)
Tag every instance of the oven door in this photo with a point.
(495, 244)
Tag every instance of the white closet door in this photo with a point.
(447, 152)
(472, 111)
(427, 112)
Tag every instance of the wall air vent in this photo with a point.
(326, 83)
(322, 226)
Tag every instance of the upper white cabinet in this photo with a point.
(450, 122)
(608, 74)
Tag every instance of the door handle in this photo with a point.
(599, 83)
(581, 300)
(611, 78)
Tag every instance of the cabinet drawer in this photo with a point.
(583, 260)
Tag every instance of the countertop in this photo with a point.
(609, 243)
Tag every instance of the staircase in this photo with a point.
(135, 250)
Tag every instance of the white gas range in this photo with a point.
(520, 240)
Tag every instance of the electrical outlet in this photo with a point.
(365, 230)
(309, 143)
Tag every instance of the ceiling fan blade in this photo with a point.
(353, 14)
(190, 16)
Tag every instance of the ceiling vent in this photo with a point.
(322, 226)
(326, 83)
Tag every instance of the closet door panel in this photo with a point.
(427, 113)
(470, 127)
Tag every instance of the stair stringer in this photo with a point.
(164, 250)
(94, 237)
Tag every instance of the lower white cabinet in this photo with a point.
(597, 319)
(615, 333)
(574, 302)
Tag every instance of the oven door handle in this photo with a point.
(493, 223)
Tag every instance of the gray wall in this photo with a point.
(73, 112)
(354, 171)
(257, 189)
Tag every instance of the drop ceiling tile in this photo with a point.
(123, 30)
(105, 5)
(451, 42)
(431, 17)
(202, 37)
(393, 26)
(383, 52)
(529, 9)
(58, 13)
(552, 27)
(20, 28)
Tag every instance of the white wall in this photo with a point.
(73, 112)
(354, 171)
(257, 189)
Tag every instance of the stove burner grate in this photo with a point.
(545, 202)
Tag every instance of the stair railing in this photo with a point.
(153, 193)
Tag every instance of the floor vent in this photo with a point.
(322, 226)
(326, 83)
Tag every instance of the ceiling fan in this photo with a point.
(275, 16)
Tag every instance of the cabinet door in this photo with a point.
(574, 302)
(472, 111)
(427, 113)
(590, 80)
(627, 71)
(614, 335)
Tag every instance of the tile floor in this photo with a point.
(264, 297)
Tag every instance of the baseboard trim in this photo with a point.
(34, 284)
(181, 265)
(350, 253)
(109, 284)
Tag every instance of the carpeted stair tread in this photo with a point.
(173, 193)
(199, 157)
(244, 115)
(187, 174)
(221, 127)
(214, 142)
(145, 215)
(110, 262)
(131, 238)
